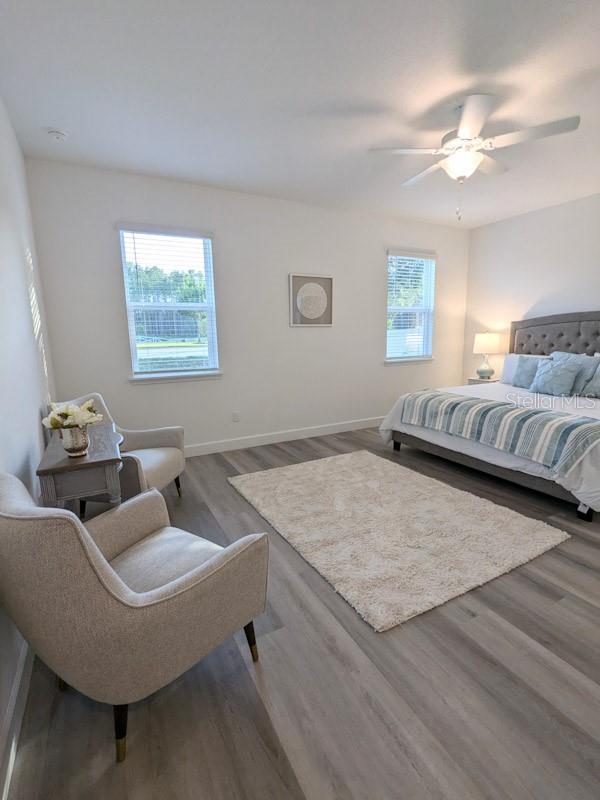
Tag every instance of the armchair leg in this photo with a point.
(82, 504)
(178, 485)
(120, 713)
(251, 637)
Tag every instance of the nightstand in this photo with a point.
(472, 381)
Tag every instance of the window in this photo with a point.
(410, 291)
(170, 302)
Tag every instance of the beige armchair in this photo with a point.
(124, 605)
(152, 458)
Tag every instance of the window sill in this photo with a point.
(391, 361)
(169, 377)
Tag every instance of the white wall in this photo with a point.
(24, 389)
(544, 262)
(280, 379)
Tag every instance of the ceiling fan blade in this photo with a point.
(537, 132)
(419, 177)
(490, 166)
(407, 151)
(476, 110)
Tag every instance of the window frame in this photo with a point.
(211, 310)
(429, 255)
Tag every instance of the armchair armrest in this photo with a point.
(131, 477)
(170, 628)
(121, 527)
(152, 437)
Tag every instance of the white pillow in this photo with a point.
(508, 368)
(510, 365)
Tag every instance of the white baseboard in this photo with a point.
(279, 436)
(11, 727)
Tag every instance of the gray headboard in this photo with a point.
(578, 332)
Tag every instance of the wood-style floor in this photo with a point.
(494, 696)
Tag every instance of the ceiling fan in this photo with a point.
(465, 149)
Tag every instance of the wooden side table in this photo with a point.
(472, 381)
(63, 478)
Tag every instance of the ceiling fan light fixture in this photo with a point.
(462, 164)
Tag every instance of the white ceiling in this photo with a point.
(284, 97)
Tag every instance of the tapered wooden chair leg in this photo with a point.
(120, 713)
(178, 485)
(82, 505)
(251, 637)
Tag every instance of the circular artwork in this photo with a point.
(311, 300)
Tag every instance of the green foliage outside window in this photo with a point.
(154, 285)
(405, 290)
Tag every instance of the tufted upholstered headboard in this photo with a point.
(578, 332)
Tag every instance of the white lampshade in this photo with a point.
(487, 344)
(461, 164)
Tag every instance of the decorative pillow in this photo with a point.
(587, 368)
(524, 370)
(592, 387)
(509, 367)
(555, 377)
(511, 361)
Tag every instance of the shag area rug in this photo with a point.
(392, 542)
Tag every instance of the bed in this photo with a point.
(574, 333)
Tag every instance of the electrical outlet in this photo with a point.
(235, 417)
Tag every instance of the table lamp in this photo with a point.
(486, 344)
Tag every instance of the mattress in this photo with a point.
(583, 481)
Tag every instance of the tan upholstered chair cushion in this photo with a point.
(161, 558)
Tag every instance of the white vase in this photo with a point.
(75, 441)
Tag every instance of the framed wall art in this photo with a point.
(311, 301)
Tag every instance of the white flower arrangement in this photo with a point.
(69, 415)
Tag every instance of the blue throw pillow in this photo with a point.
(592, 387)
(587, 368)
(525, 370)
(555, 377)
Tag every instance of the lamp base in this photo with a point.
(484, 370)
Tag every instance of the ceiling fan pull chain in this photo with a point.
(459, 200)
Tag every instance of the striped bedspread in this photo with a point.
(552, 438)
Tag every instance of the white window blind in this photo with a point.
(410, 303)
(170, 302)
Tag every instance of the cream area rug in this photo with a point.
(392, 542)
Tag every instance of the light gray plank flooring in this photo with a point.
(494, 696)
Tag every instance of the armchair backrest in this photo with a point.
(54, 582)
